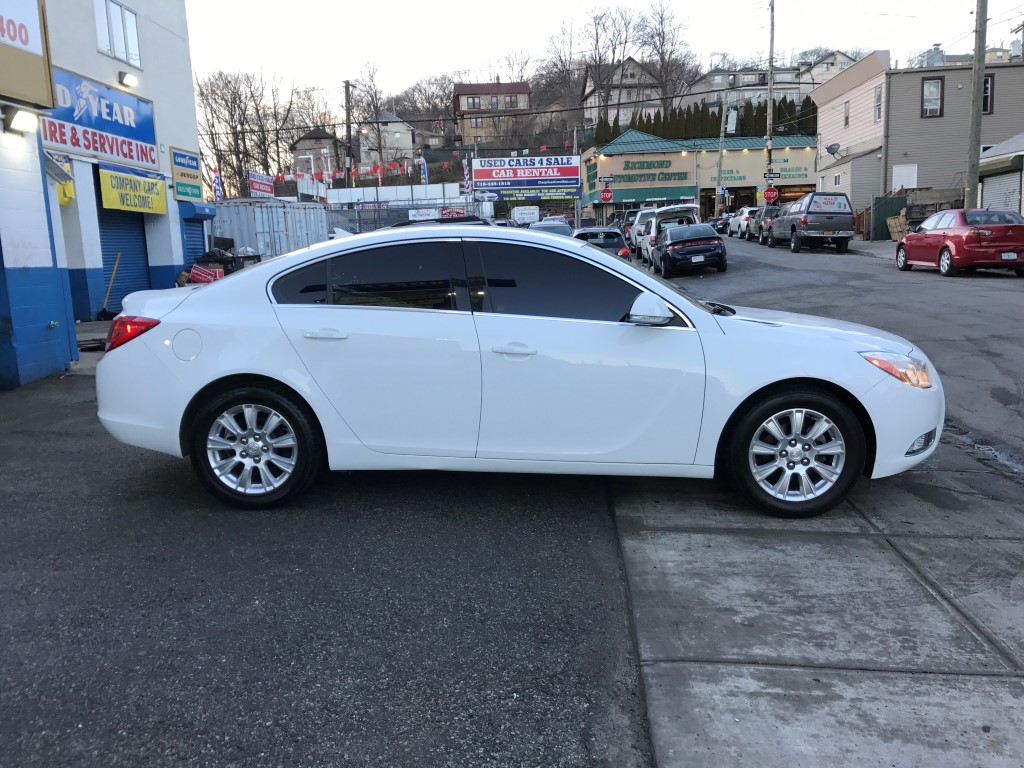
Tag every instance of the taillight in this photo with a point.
(623, 251)
(803, 221)
(124, 329)
(746, 218)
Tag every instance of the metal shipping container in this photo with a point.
(270, 227)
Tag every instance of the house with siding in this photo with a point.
(625, 88)
(492, 112)
(908, 128)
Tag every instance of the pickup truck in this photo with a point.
(816, 219)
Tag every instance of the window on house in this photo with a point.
(476, 122)
(878, 103)
(988, 95)
(510, 102)
(846, 114)
(494, 102)
(472, 102)
(931, 96)
(836, 180)
(117, 31)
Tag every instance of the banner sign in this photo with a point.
(260, 185)
(528, 178)
(453, 212)
(20, 26)
(423, 214)
(129, 189)
(97, 120)
(185, 175)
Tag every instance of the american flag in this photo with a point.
(467, 180)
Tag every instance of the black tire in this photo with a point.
(666, 272)
(794, 243)
(770, 241)
(842, 245)
(730, 231)
(275, 474)
(845, 430)
(901, 260)
(724, 265)
(946, 266)
(761, 239)
(1019, 272)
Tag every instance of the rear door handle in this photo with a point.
(515, 348)
(327, 334)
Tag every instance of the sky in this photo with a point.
(320, 43)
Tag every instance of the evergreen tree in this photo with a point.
(808, 120)
(704, 122)
(649, 124)
(658, 127)
(632, 121)
(602, 131)
(761, 119)
(747, 126)
(687, 131)
(616, 130)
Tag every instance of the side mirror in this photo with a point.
(649, 309)
(914, 229)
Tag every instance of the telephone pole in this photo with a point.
(977, 95)
(348, 134)
(771, 83)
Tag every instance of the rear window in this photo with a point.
(601, 238)
(690, 232)
(830, 204)
(979, 218)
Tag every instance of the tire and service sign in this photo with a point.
(186, 176)
(528, 178)
(96, 120)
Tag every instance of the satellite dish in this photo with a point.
(832, 149)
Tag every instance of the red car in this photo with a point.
(965, 239)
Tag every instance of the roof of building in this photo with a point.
(486, 89)
(1009, 147)
(632, 141)
(315, 134)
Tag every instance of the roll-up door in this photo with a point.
(195, 240)
(123, 232)
(1001, 191)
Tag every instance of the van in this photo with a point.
(525, 215)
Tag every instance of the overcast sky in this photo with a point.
(320, 43)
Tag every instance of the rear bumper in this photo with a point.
(990, 257)
(683, 261)
(810, 234)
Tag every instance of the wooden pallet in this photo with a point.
(897, 226)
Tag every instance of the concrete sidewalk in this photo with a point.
(881, 249)
(91, 339)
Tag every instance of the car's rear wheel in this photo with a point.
(730, 231)
(761, 239)
(797, 454)
(946, 266)
(901, 259)
(722, 266)
(842, 245)
(771, 239)
(1019, 272)
(255, 447)
(794, 242)
(749, 236)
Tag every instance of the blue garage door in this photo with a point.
(195, 240)
(123, 232)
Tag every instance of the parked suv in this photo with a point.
(758, 228)
(638, 226)
(816, 219)
(739, 224)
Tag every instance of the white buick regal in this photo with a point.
(502, 350)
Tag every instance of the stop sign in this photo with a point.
(606, 195)
(771, 194)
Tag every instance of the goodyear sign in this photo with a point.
(128, 189)
(185, 175)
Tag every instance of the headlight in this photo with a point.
(907, 369)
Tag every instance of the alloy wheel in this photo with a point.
(252, 449)
(797, 455)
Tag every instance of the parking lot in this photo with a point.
(472, 619)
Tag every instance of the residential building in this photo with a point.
(493, 112)
(1002, 176)
(386, 140)
(811, 74)
(318, 151)
(746, 84)
(623, 89)
(94, 206)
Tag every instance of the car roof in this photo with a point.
(453, 220)
(609, 230)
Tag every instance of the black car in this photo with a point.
(688, 246)
(607, 238)
(720, 223)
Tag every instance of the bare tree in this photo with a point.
(370, 102)
(667, 58)
(516, 66)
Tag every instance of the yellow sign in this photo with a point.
(126, 189)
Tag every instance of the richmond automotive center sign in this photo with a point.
(528, 178)
(97, 120)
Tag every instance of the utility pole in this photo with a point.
(721, 201)
(771, 84)
(977, 95)
(348, 134)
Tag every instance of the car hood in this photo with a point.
(863, 337)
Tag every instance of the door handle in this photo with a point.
(327, 334)
(515, 348)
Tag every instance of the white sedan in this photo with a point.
(503, 350)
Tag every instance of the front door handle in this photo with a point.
(514, 348)
(327, 334)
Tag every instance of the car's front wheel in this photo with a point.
(797, 454)
(901, 259)
(255, 447)
(770, 240)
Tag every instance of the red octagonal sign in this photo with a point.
(606, 195)
(771, 194)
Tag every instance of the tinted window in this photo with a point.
(303, 286)
(977, 218)
(945, 221)
(529, 281)
(604, 239)
(415, 275)
(692, 232)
